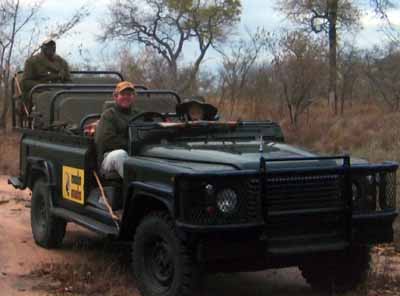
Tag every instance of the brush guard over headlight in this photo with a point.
(311, 208)
(295, 205)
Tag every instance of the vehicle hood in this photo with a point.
(211, 156)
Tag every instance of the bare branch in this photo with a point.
(166, 26)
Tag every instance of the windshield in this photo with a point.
(206, 133)
(156, 101)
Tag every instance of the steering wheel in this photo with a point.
(148, 116)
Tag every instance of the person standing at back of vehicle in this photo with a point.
(44, 67)
(111, 135)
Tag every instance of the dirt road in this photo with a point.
(19, 256)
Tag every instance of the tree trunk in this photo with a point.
(332, 18)
(5, 103)
(342, 95)
(173, 75)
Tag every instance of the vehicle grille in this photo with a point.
(303, 192)
(291, 205)
(286, 193)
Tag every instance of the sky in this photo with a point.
(255, 13)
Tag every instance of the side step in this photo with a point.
(16, 182)
(311, 248)
(85, 221)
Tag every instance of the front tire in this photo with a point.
(162, 263)
(338, 273)
(48, 231)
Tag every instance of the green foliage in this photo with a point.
(166, 26)
(317, 13)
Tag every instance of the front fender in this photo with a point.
(37, 167)
(142, 198)
(41, 165)
(162, 193)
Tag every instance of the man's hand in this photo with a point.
(54, 77)
(63, 75)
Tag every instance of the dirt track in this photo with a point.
(19, 256)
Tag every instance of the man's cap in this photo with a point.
(123, 85)
(48, 41)
(209, 110)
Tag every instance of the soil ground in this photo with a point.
(26, 269)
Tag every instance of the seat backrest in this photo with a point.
(68, 107)
(73, 107)
(94, 80)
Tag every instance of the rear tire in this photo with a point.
(48, 231)
(163, 265)
(338, 273)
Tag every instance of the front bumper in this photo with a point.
(371, 228)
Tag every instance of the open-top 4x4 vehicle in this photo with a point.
(206, 196)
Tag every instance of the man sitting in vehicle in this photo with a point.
(195, 109)
(111, 135)
(44, 67)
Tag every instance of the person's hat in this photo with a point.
(209, 110)
(48, 41)
(123, 85)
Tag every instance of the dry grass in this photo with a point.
(9, 153)
(365, 130)
(384, 277)
(105, 272)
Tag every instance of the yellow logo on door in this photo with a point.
(73, 184)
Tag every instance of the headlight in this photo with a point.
(362, 195)
(227, 201)
(209, 190)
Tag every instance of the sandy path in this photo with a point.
(19, 255)
(18, 252)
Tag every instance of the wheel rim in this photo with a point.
(159, 264)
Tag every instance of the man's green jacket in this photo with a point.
(39, 69)
(112, 130)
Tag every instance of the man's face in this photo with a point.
(125, 98)
(196, 112)
(49, 50)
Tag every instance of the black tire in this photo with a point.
(162, 263)
(338, 273)
(48, 231)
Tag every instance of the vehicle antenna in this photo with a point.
(261, 147)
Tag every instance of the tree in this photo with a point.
(328, 16)
(298, 69)
(349, 73)
(168, 25)
(237, 65)
(383, 72)
(324, 16)
(14, 18)
(144, 67)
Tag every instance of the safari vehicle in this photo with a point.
(215, 196)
